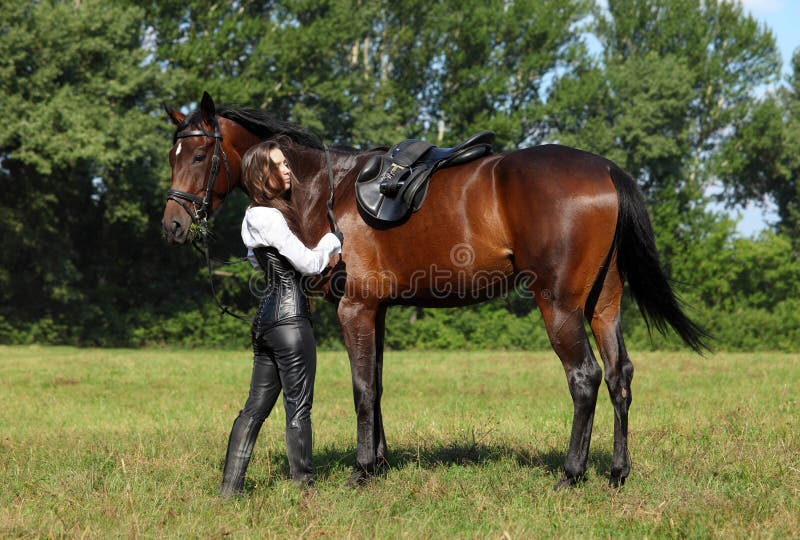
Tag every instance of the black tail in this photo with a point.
(638, 262)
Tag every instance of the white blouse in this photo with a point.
(266, 227)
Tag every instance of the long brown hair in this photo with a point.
(261, 179)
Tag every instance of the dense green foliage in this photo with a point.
(107, 443)
(675, 93)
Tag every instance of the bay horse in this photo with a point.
(573, 222)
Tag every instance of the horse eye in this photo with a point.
(199, 157)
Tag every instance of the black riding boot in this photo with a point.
(298, 450)
(240, 448)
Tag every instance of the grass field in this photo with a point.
(99, 443)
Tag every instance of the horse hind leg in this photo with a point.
(606, 327)
(564, 323)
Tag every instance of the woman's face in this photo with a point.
(283, 173)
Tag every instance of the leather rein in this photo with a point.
(199, 215)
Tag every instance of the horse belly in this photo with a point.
(465, 278)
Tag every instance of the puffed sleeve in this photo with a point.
(266, 227)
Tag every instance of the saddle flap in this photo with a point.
(370, 198)
(375, 192)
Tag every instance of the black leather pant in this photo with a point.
(284, 358)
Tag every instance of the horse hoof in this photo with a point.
(616, 482)
(358, 478)
(565, 482)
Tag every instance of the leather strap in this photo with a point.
(331, 217)
(198, 133)
(407, 155)
(403, 156)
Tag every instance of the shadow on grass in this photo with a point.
(330, 461)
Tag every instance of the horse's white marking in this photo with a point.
(178, 150)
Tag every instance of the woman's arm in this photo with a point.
(266, 227)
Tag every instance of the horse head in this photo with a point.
(205, 159)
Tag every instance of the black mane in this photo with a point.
(261, 123)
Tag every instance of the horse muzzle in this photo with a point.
(175, 225)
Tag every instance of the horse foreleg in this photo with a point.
(358, 321)
(380, 332)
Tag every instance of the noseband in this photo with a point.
(200, 215)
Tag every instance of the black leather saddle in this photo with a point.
(393, 185)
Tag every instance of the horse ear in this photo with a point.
(208, 109)
(176, 116)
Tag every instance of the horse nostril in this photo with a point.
(176, 227)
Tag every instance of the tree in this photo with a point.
(672, 78)
(762, 159)
(81, 182)
(372, 73)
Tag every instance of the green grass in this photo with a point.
(99, 443)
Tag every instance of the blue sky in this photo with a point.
(783, 17)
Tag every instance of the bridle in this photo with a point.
(200, 215)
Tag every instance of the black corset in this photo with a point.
(284, 297)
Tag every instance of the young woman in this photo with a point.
(284, 351)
